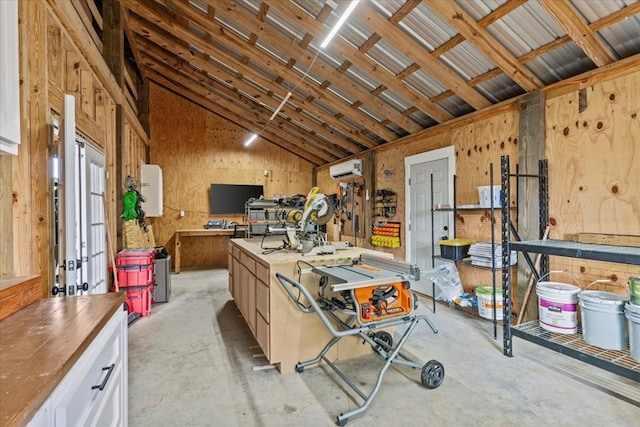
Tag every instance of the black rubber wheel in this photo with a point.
(299, 369)
(432, 374)
(385, 337)
(341, 422)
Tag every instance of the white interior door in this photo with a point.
(438, 164)
(69, 199)
(94, 242)
(84, 216)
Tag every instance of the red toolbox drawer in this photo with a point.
(135, 275)
(144, 256)
(139, 300)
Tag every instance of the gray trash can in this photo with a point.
(163, 279)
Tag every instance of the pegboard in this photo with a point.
(349, 212)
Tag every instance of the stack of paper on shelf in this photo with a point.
(482, 252)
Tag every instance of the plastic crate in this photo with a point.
(135, 275)
(144, 256)
(454, 249)
(139, 300)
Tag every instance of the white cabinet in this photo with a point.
(9, 79)
(94, 391)
(151, 183)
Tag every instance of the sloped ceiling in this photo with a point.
(395, 68)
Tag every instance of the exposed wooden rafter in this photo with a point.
(567, 17)
(455, 16)
(241, 59)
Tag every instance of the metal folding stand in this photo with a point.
(368, 298)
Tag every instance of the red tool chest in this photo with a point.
(136, 276)
(135, 267)
(139, 299)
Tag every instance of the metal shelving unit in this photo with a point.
(454, 209)
(616, 361)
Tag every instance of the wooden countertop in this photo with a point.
(40, 343)
(288, 256)
(206, 232)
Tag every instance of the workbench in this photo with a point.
(221, 235)
(284, 333)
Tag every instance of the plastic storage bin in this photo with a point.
(135, 267)
(454, 249)
(135, 275)
(139, 300)
(144, 256)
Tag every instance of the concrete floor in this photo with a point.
(192, 363)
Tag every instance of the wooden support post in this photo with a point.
(531, 150)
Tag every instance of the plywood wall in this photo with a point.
(196, 148)
(476, 144)
(52, 65)
(594, 172)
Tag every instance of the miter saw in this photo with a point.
(317, 210)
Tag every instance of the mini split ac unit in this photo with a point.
(347, 170)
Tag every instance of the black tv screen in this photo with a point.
(230, 198)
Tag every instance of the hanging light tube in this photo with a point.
(252, 138)
(341, 21)
(284, 101)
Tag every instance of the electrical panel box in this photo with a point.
(151, 183)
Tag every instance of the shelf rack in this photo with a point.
(573, 345)
(455, 209)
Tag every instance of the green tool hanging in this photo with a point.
(129, 201)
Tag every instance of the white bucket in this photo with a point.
(558, 307)
(485, 302)
(632, 312)
(603, 323)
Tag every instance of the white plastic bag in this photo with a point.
(449, 286)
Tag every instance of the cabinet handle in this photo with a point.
(104, 382)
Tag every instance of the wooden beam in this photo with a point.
(237, 114)
(359, 58)
(151, 32)
(606, 21)
(82, 9)
(242, 121)
(487, 20)
(303, 58)
(70, 20)
(588, 79)
(171, 59)
(225, 97)
(455, 16)
(403, 11)
(32, 202)
(567, 17)
(417, 53)
(179, 48)
(97, 14)
(605, 239)
(113, 35)
(531, 149)
(6, 217)
(153, 13)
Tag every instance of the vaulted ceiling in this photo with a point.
(395, 68)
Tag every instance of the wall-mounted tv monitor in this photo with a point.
(230, 198)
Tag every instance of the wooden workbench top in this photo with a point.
(40, 343)
(206, 232)
(285, 256)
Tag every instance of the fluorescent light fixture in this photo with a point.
(252, 138)
(341, 21)
(284, 101)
